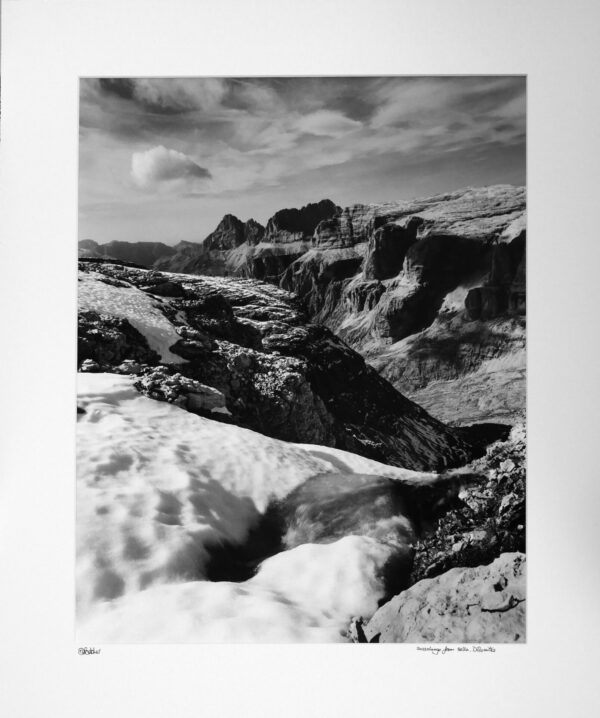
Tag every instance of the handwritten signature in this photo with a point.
(438, 650)
(84, 651)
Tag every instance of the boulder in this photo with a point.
(89, 365)
(484, 604)
(164, 385)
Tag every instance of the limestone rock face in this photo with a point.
(484, 604)
(504, 290)
(294, 224)
(279, 374)
(231, 232)
(228, 234)
(387, 249)
(253, 232)
(317, 275)
(270, 262)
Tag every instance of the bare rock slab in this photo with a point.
(485, 604)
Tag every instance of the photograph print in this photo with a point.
(301, 371)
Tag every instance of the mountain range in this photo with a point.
(430, 291)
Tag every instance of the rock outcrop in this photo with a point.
(279, 374)
(109, 340)
(488, 519)
(231, 232)
(387, 249)
(290, 225)
(485, 604)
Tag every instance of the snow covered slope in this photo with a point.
(158, 488)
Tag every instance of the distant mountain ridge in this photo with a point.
(144, 253)
(247, 248)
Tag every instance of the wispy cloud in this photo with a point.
(327, 123)
(167, 95)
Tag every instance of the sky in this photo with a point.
(164, 159)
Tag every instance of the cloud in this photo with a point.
(436, 99)
(160, 165)
(262, 137)
(180, 95)
(121, 87)
(168, 95)
(327, 123)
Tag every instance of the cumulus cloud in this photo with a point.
(160, 165)
(327, 123)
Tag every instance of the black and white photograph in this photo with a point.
(299, 357)
(301, 360)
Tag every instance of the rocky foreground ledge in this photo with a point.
(484, 604)
(252, 342)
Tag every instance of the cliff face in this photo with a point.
(401, 261)
(231, 232)
(252, 342)
(431, 292)
(298, 224)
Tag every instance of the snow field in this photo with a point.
(157, 486)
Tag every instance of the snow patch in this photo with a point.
(307, 594)
(130, 303)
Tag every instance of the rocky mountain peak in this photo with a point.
(228, 234)
(253, 231)
(231, 232)
(301, 222)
